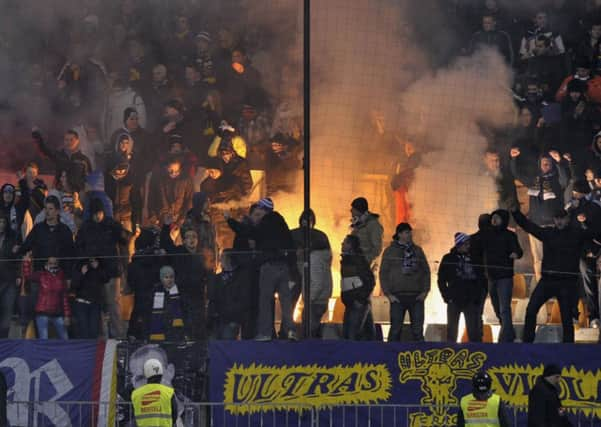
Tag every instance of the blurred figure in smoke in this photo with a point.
(503, 180)
(120, 97)
(490, 36)
(367, 228)
(282, 164)
(321, 268)
(357, 284)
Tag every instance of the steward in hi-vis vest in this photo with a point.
(482, 408)
(154, 404)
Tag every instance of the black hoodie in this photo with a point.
(499, 243)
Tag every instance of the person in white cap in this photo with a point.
(154, 404)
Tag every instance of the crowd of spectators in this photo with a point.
(163, 109)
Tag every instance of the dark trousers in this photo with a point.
(501, 291)
(397, 318)
(87, 320)
(358, 321)
(473, 320)
(317, 312)
(591, 285)
(565, 290)
(8, 295)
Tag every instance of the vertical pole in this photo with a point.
(307, 164)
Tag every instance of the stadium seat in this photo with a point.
(520, 287)
(486, 335)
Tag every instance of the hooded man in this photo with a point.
(405, 280)
(545, 193)
(501, 249)
(12, 207)
(461, 289)
(366, 226)
(198, 218)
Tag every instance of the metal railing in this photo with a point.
(120, 414)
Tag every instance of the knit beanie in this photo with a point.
(266, 204)
(461, 238)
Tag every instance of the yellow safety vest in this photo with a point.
(481, 413)
(152, 405)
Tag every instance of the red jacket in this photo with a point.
(52, 296)
(593, 89)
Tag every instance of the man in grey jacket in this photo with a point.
(405, 280)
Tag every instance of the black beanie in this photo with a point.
(403, 226)
(360, 203)
(551, 369)
(128, 112)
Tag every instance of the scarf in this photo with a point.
(465, 268)
(167, 321)
(409, 258)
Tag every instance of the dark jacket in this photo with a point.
(459, 279)
(77, 164)
(191, 279)
(89, 286)
(274, 239)
(47, 241)
(545, 191)
(234, 183)
(544, 405)
(126, 197)
(9, 265)
(498, 244)
(15, 211)
(142, 274)
(588, 208)
(171, 196)
(561, 248)
(230, 295)
(354, 265)
(101, 239)
(404, 276)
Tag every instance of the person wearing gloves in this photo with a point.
(405, 280)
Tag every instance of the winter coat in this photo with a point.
(545, 191)
(356, 272)
(230, 295)
(89, 286)
(459, 279)
(9, 265)
(95, 190)
(590, 209)
(561, 248)
(544, 405)
(65, 217)
(117, 102)
(321, 263)
(125, 196)
(47, 241)
(142, 274)
(100, 239)
(170, 196)
(404, 280)
(498, 244)
(52, 295)
(369, 231)
(77, 165)
(274, 240)
(167, 323)
(191, 277)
